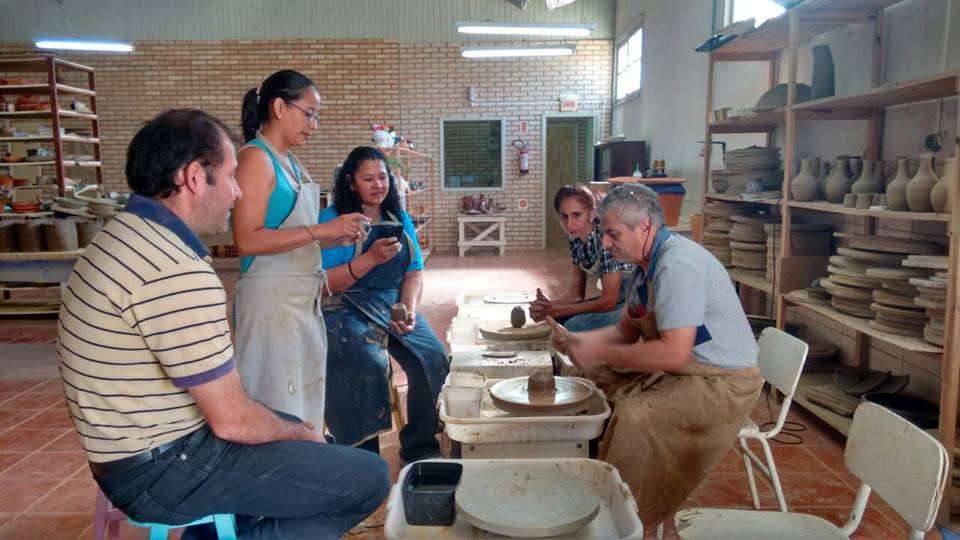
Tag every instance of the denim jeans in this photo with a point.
(284, 489)
(592, 321)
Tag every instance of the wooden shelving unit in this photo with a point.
(778, 40)
(52, 68)
(418, 169)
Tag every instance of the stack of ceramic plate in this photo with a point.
(805, 239)
(104, 208)
(751, 164)
(932, 294)
(716, 237)
(748, 241)
(851, 291)
(718, 180)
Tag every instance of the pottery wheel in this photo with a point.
(530, 503)
(511, 395)
(509, 298)
(504, 331)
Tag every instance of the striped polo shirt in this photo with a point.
(143, 319)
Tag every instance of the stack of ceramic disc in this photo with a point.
(805, 239)
(931, 294)
(718, 180)
(751, 164)
(716, 237)
(748, 241)
(851, 291)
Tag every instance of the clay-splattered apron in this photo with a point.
(359, 367)
(281, 342)
(670, 429)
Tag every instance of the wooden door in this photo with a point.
(562, 166)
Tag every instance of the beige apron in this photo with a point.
(670, 429)
(281, 343)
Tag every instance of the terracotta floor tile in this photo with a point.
(18, 386)
(68, 442)
(57, 417)
(5, 518)
(27, 439)
(790, 458)
(71, 497)
(732, 463)
(4, 396)
(732, 491)
(18, 495)
(830, 456)
(9, 419)
(807, 490)
(52, 386)
(8, 459)
(873, 526)
(33, 527)
(46, 466)
(31, 401)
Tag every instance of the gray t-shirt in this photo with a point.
(691, 288)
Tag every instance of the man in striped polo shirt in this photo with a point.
(147, 363)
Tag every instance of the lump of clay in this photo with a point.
(398, 313)
(517, 317)
(541, 382)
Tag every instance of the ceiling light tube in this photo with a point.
(516, 52)
(82, 45)
(526, 29)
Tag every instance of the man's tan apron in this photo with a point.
(670, 429)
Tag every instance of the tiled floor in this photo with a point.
(46, 490)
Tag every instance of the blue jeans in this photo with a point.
(592, 321)
(284, 489)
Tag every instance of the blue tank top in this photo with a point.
(282, 198)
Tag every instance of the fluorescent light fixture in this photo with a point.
(525, 29)
(516, 52)
(82, 45)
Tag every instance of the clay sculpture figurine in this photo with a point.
(541, 382)
(517, 317)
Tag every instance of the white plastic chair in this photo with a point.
(907, 467)
(781, 360)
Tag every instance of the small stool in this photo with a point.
(106, 523)
(225, 524)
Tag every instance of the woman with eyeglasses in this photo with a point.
(281, 340)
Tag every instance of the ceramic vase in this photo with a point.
(815, 167)
(822, 81)
(943, 193)
(867, 182)
(838, 184)
(919, 187)
(897, 188)
(855, 167)
(803, 187)
(822, 181)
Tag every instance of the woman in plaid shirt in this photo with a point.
(576, 205)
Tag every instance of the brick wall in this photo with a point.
(412, 86)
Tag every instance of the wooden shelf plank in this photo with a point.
(913, 344)
(43, 89)
(49, 138)
(754, 282)
(834, 420)
(21, 115)
(816, 17)
(739, 199)
(66, 163)
(41, 255)
(758, 122)
(913, 91)
(835, 208)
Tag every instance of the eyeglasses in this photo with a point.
(311, 116)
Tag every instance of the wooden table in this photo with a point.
(482, 227)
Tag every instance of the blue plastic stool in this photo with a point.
(225, 524)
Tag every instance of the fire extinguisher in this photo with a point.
(524, 155)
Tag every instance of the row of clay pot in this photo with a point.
(35, 235)
(925, 192)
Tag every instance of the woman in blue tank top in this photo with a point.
(281, 341)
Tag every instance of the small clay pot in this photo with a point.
(30, 235)
(517, 317)
(850, 200)
(398, 313)
(61, 235)
(541, 382)
(864, 200)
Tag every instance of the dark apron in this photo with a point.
(358, 366)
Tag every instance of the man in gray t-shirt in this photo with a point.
(679, 367)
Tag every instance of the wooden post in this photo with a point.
(793, 19)
(950, 363)
(875, 136)
(773, 77)
(707, 138)
(55, 123)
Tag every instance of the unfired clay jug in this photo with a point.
(867, 183)
(803, 187)
(822, 181)
(838, 184)
(897, 188)
(942, 194)
(919, 187)
(815, 167)
(855, 167)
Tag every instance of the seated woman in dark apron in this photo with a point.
(576, 205)
(365, 281)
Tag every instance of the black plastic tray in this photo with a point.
(428, 493)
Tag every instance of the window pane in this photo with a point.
(472, 154)
(636, 46)
(623, 59)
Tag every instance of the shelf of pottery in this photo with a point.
(48, 126)
(416, 174)
(859, 243)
